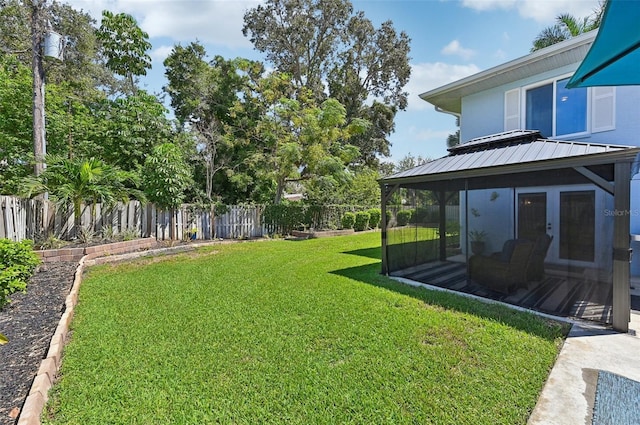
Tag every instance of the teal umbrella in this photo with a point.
(614, 56)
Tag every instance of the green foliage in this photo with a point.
(338, 51)
(125, 45)
(566, 27)
(403, 217)
(362, 221)
(283, 218)
(17, 263)
(3, 339)
(78, 180)
(166, 176)
(374, 217)
(16, 142)
(348, 220)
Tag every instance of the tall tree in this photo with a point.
(568, 26)
(318, 41)
(202, 94)
(300, 139)
(125, 46)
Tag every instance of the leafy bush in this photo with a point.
(362, 221)
(348, 220)
(17, 263)
(374, 217)
(403, 217)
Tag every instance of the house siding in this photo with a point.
(483, 113)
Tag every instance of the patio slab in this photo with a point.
(569, 393)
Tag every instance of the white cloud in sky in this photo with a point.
(428, 76)
(455, 48)
(544, 11)
(213, 22)
(159, 54)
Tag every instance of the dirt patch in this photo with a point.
(29, 322)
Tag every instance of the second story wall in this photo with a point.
(603, 115)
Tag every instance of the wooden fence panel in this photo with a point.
(239, 222)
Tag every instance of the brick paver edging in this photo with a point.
(33, 407)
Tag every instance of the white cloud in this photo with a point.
(455, 48)
(428, 76)
(217, 22)
(543, 11)
(159, 54)
(488, 4)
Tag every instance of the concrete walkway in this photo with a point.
(569, 393)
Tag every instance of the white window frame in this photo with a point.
(553, 81)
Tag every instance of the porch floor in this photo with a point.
(556, 294)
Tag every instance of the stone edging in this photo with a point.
(33, 407)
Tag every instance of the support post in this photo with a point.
(442, 215)
(621, 247)
(385, 193)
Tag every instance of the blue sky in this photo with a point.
(451, 39)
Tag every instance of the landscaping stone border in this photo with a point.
(76, 254)
(33, 407)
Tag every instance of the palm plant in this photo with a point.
(76, 181)
(566, 27)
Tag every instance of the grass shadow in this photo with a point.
(375, 253)
(523, 321)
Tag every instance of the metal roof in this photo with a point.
(572, 51)
(512, 152)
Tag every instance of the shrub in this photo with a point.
(348, 220)
(362, 221)
(17, 263)
(403, 217)
(374, 217)
(389, 216)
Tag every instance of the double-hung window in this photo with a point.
(557, 111)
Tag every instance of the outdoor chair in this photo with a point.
(504, 271)
(535, 268)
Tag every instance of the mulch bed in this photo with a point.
(29, 322)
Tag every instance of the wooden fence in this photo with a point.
(23, 219)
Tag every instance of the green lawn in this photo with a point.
(294, 332)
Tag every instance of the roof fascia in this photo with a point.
(524, 61)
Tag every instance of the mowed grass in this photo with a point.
(292, 332)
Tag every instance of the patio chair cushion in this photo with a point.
(503, 276)
(535, 268)
(507, 250)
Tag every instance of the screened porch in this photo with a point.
(537, 223)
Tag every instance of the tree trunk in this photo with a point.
(39, 146)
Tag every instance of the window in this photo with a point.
(557, 111)
(554, 100)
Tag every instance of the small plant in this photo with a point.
(129, 234)
(362, 221)
(86, 235)
(477, 235)
(51, 242)
(403, 217)
(17, 263)
(374, 217)
(348, 220)
(3, 339)
(109, 233)
(477, 238)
